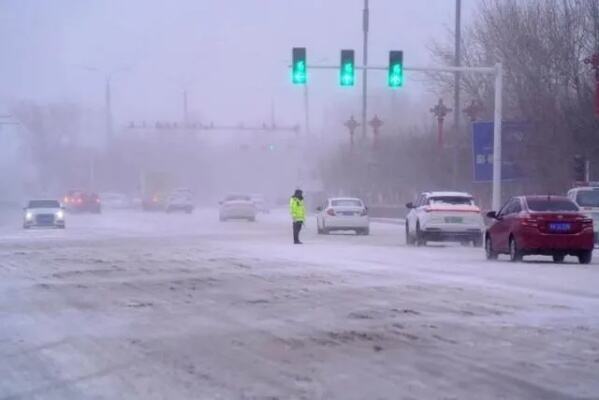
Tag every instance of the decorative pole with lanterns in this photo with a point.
(375, 123)
(474, 109)
(351, 124)
(440, 111)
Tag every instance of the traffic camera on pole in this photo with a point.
(347, 69)
(395, 73)
(299, 68)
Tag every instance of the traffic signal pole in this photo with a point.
(497, 71)
(365, 22)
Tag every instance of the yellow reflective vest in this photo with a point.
(297, 209)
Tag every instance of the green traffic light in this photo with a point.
(347, 75)
(347, 68)
(299, 72)
(395, 73)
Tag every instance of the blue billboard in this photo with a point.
(512, 135)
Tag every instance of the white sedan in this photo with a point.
(44, 213)
(237, 206)
(343, 214)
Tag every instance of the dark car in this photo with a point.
(81, 201)
(543, 225)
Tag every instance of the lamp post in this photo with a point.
(107, 95)
(440, 111)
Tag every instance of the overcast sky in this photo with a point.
(231, 55)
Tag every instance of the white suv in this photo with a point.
(444, 216)
(587, 198)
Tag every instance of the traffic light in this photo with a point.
(395, 74)
(299, 68)
(347, 69)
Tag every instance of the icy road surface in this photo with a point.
(153, 306)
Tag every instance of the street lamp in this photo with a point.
(107, 95)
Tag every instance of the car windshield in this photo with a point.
(551, 204)
(43, 204)
(453, 200)
(588, 198)
(346, 203)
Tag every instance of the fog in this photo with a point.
(230, 60)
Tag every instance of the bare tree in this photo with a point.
(542, 44)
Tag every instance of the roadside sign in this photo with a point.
(513, 133)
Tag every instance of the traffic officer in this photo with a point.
(298, 214)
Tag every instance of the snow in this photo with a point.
(128, 305)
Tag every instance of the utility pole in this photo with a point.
(456, 92)
(365, 20)
(108, 110)
(306, 111)
(185, 110)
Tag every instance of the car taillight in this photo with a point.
(530, 222)
(97, 200)
(364, 212)
(331, 212)
(66, 199)
(587, 223)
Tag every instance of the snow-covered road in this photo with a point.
(127, 305)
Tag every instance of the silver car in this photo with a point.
(237, 206)
(44, 213)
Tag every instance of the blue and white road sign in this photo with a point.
(512, 134)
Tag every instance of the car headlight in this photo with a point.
(60, 214)
(28, 215)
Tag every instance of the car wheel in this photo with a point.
(491, 255)
(559, 257)
(26, 227)
(366, 231)
(515, 253)
(252, 219)
(465, 243)
(409, 238)
(585, 257)
(420, 240)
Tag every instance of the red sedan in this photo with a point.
(544, 225)
(80, 201)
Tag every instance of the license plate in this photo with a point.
(347, 213)
(454, 220)
(560, 227)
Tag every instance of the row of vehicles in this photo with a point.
(550, 225)
(51, 213)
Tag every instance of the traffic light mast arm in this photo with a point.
(483, 70)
